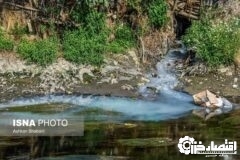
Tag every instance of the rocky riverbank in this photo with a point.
(224, 81)
(120, 76)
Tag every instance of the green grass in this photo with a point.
(81, 48)
(87, 44)
(42, 52)
(6, 44)
(215, 43)
(124, 39)
(157, 13)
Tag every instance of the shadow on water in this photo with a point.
(148, 140)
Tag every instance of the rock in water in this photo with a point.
(212, 104)
(204, 96)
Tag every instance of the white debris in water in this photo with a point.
(166, 108)
(166, 79)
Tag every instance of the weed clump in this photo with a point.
(215, 42)
(6, 44)
(42, 52)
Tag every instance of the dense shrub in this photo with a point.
(42, 52)
(80, 47)
(6, 44)
(85, 13)
(157, 13)
(87, 44)
(94, 22)
(124, 39)
(215, 43)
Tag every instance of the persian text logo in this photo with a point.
(188, 145)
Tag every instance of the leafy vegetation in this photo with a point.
(215, 42)
(124, 39)
(86, 45)
(87, 29)
(82, 9)
(94, 22)
(80, 47)
(6, 44)
(157, 13)
(42, 52)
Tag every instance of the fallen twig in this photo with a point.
(21, 7)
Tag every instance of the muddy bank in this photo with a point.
(121, 75)
(224, 81)
(29, 87)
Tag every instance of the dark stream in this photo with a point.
(108, 139)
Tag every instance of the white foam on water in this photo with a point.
(138, 109)
(166, 79)
(169, 103)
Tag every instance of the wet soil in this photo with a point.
(221, 84)
(29, 87)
